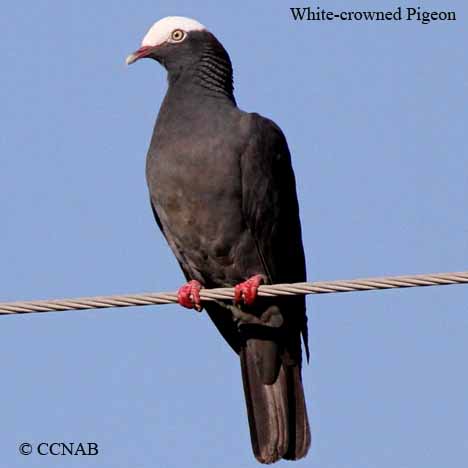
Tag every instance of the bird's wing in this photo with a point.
(271, 211)
(269, 202)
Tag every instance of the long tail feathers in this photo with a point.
(279, 427)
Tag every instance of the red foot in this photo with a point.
(189, 295)
(247, 290)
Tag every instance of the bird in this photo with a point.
(223, 193)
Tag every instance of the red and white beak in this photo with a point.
(143, 51)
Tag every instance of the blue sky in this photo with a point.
(376, 117)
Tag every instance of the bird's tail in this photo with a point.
(279, 427)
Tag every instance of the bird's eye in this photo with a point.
(177, 35)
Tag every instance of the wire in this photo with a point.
(320, 287)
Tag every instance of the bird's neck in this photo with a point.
(210, 76)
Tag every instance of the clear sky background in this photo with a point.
(376, 118)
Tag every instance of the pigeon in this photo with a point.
(223, 193)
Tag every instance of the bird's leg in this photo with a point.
(247, 290)
(189, 295)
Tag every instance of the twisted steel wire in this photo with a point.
(319, 287)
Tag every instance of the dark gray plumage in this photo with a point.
(223, 193)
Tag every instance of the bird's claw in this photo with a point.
(189, 295)
(247, 290)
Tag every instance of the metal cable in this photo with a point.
(319, 287)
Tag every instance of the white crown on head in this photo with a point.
(161, 30)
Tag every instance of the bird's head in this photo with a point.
(172, 41)
(186, 48)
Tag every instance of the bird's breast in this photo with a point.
(197, 194)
